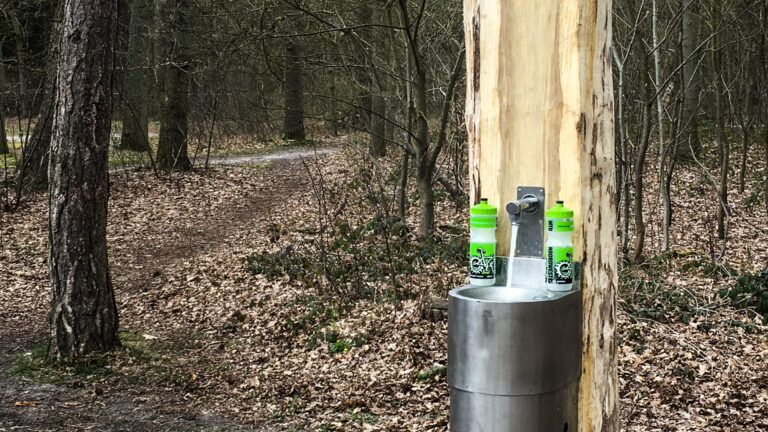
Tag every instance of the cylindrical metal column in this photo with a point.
(514, 359)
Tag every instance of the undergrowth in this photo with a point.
(36, 365)
(645, 294)
(356, 249)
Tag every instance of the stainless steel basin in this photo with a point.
(514, 356)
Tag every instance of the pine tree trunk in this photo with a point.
(134, 102)
(172, 147)
(83, 312)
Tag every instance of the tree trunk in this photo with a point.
(83, 312)
(570, 151)
(402, 190)
(638, 169)
(362, 117)
(744, 151)
(172, 146)
(3, 142)
(723, 144)
(18, 35)
(660, 124)
(426, 199)
(121, 44)
(421, 146)
(764, 72)
(378, 143)
(639, 165)
(689, 41)
(377, 122)
(32, 170)
(293, 128)
(135, 134)
(765, 169)
(333, 115)
(293, 89)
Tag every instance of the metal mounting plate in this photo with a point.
(530, 235)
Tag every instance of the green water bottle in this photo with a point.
(482, 244)
(559, 248)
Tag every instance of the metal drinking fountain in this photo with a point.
(514, 349)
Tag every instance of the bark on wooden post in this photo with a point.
(540, 113)
(83, 313)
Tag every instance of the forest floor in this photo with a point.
(233, 319)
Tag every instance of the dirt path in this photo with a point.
(117, 405)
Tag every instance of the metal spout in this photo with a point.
(528, 204)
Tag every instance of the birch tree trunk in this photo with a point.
(558, 78)
(83, 312)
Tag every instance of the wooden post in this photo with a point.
(540, 113)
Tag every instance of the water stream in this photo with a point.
(512, 248)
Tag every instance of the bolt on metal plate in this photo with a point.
(530, 235)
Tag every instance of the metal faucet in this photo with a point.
(528, 204)
(527, 214)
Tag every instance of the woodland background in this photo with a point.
(288, 196)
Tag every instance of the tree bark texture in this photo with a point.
(83, 312)
(134, 90)
(172, 146)
(541, 114)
